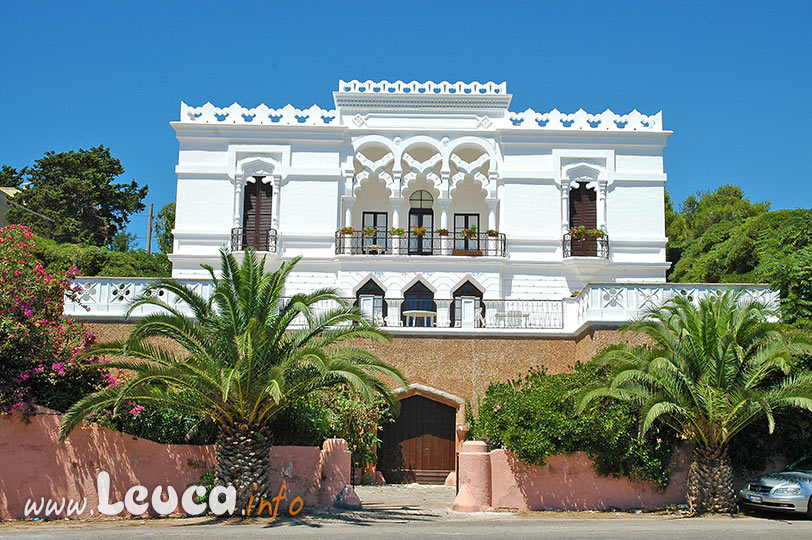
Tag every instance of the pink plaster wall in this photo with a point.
(34, 464)
(570, 482)
(499, 480)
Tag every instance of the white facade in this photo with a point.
(382, 143)
(444, 156)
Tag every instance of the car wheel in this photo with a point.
(809, 509)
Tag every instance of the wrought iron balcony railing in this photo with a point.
(431, 243)
(240, 241)
(588, 247)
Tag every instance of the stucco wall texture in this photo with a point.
(465, 366)
(36, 464)
(499, 480)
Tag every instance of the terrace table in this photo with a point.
(374, 248)
(413, 314)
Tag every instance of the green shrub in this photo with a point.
(161, 425)
(100, 261)
(310, 420)
(535, 418)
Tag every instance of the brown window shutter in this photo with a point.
(256, 215)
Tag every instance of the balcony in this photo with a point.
(587, 247)
(431, 243)
(264, 242)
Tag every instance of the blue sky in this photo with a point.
(734, 79)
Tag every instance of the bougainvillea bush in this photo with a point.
(38, 349)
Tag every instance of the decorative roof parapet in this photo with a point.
(260, 115)
(582, 120)
(446, 88)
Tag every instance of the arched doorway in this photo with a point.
(420, 445)
(370, 300)
(421, 215)
(419, 308)
(467, 307)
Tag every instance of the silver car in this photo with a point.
(787, 491)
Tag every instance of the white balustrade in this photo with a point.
(604, 303)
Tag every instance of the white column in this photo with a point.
(492, 214)
(348, 212)
(396, 202)
(238, 203)
(276, 182)
(602, 186)
(444, 213)
(565, 206)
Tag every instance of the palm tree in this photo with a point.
(242, 361)
(709, 372)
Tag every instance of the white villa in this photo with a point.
(512, 236)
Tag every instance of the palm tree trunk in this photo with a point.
(243, 461)
(710, 482)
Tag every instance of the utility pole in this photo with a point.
(149, 230)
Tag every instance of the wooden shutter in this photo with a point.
(584, 211)
(256, 215)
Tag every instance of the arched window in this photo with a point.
(256, 215)
(421, 215)
(418, 308)
(467, 307)
(369, 299)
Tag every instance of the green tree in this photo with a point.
(122, 242)
(707, 208)
(78, 192)
(713, 370)
(242, 362)
(164, 224)
(11, 177)
(774, 248)
(714, 212)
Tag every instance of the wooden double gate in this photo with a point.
(419, 445)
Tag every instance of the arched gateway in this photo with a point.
(420, 445)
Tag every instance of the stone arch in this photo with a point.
(421, 157)
(474, 142)
(434, 394)
(250, 167)
(359, 144)
(421, 278)
(467, 277)
(363, 281)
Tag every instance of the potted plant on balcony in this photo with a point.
(370, 231)
(469, 233)
(418, 231)
(581, 233)
(442, 232)
(346, 231)
(493, 234)
(397, 231)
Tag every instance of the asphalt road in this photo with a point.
(394, 525)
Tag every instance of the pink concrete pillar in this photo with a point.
(336, 468)
(475, 478)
